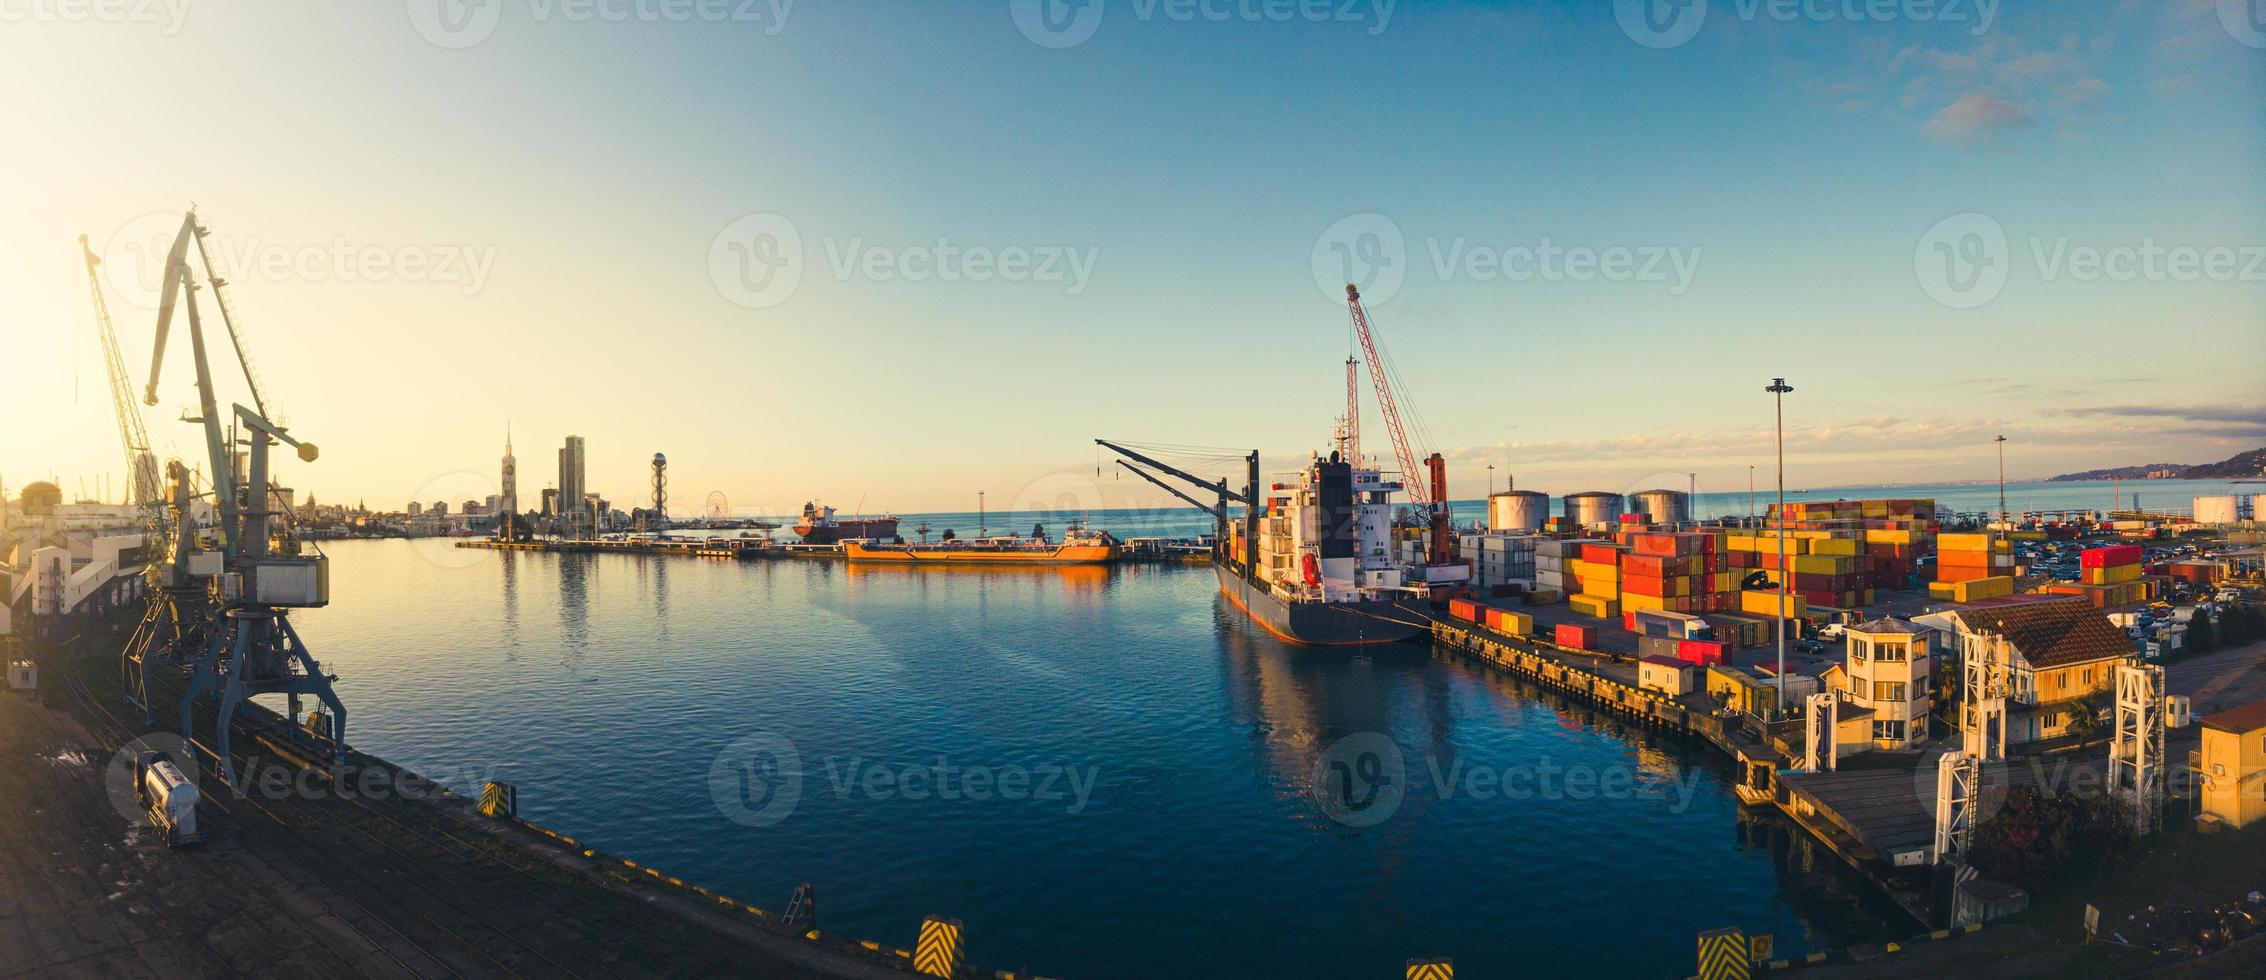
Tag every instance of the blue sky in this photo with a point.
(555, 200)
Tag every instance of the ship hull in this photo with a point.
(1328, 624)
(853, 529)
(916, 555)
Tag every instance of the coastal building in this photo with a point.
(572, 490)
(2232, 763)
(1887, 673)
(1667, 675)
(507, 502)
(2047, 654)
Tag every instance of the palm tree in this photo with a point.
(2085, 719)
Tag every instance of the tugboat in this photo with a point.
(820, 526)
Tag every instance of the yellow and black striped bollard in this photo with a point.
(1723, 955)
(938, 952)
(1437, 968)
(500, 800)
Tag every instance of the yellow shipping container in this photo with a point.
(1963, 542)
(1942, 590)
(1836, 546)
(1978, 589)
(1594, 607)
(1883, 536)
(1631, 600)
(1740, 542)
(1822, 564)
(1766, 603)
(2112, 575)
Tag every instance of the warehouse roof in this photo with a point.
(2052, 633)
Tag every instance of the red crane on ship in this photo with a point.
(1430, 491)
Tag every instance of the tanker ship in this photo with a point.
(820, 526)
(1079, 546)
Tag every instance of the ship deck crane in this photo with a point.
(1429, 491)
(1248, 498)
(247, 644)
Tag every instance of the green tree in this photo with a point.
(2085, 718)
(2202, 635)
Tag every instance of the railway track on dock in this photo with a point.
(401, 881)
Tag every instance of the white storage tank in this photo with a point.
(2258, 506)
(1662, 507)
(1593, 508)
(1518, 510)
(2218, 509)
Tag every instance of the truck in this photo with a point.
(168, 797)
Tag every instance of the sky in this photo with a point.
(893, 255)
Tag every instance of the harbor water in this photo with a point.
(1103, 772)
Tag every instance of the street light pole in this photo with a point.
(2001, 479)
(1490, 479)
(1779, 388)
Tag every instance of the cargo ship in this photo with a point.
(1311, 560)
(820, 526)
(1079, 546)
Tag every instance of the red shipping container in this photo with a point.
(2110, 556)
(1600, 554)
(1706, 653)
(1463, 609)
(1578, 636)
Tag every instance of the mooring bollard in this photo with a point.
(938, 953)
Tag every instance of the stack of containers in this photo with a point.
(2111, 577)
(1961, 557)
(1551, 558)
(1500, 558)
(1681, 572)
(1597, 580)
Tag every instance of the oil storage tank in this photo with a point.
(1662, 507)
(1518, 510)
(1593, 508)
(2218, 509)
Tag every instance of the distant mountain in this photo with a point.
(2237, 467)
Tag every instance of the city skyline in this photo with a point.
(1588, 287)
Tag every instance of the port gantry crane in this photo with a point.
(1430, 491)
(222, 609)
(141, 465)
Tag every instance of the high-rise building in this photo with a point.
(507, 502)
(572, 488)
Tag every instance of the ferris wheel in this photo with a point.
(718, 507)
